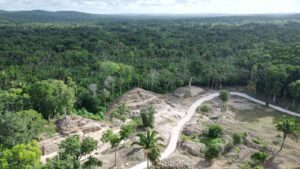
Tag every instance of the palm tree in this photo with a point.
(154, 156)
(288, 127)
(149, 142)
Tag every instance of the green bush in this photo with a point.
(238, 138)
(259, 157)
(212, 151)
(120, 112)
(224, 95)
(215, 131)
(147, 116)
(205, 108)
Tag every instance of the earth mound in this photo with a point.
(184, 92)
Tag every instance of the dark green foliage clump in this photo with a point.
(72, 150)
(120, 112)
(238, 138)
(212, 151)
(224, 95)
(204, 108)
(259, 157)
(52, 98)
(214, 131)
(147, 116)
(20, 127)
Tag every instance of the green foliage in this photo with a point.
(232, 51)
(212, 151)
(91, 163)
(154, 155)
(52, 98)
(288, 127)
(120, 112)
(224, 95)
(259, 158)
(84, 113)
(14, 99)
(149, 142)
(58, 163)
(71, 151)
(205, 108)
(251, 86)
(238, 138)
(113, 139)
(193, 138)
(259, 142)
(21, 156)
(294, 89)
(128, 129)
(214, 131)
(21, 127)
(147, 116)
(90, 103)
(211, 141)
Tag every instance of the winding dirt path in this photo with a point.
(191, 111)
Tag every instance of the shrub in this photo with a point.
(205, 108)
(212, 151)
(215, 131)
(224, 95)
(128, 129)
(259, 157)
(238, 138)
(147, 116)
(120, 112)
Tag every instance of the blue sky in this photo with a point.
(157, 6)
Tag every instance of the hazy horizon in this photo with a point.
(167, 7)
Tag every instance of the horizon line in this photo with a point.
(121, 13)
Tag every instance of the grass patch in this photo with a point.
(192, 138)
(85, 114)
(238, 138)
(259, 142)
(211, 141)
(205, 108)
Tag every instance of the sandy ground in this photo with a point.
(244, 115)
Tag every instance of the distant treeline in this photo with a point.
(104, 59)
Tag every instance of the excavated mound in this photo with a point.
(74, 124)
(138, 98)
(184, 92)
(70, 125)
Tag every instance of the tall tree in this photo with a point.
(52, 97)
(149, 142)
(288, 127)
(71, 151)
(20, 127)
(294, 89)
(21, 156)
(114, 139)
(224, 96)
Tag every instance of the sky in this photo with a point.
(157, 6)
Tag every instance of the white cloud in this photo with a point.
(157, 6)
